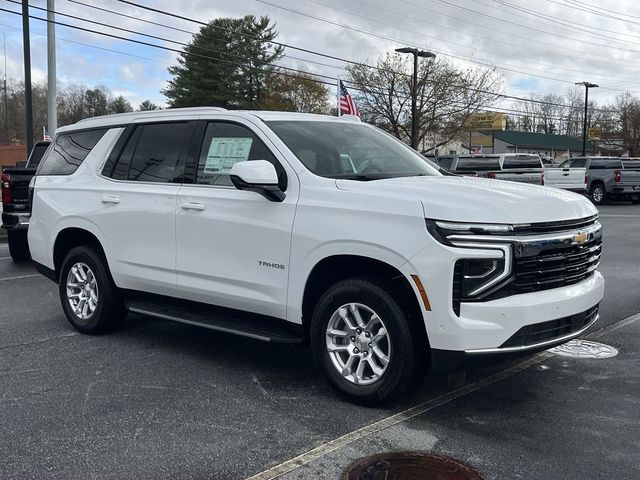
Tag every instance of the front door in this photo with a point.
(232, 245)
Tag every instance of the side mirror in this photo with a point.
(257, 176)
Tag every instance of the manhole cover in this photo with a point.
(409, 466)
(584, 349)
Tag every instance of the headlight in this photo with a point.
(476, 277)
(479, 275)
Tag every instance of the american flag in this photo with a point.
(346, 103)
(45, 135)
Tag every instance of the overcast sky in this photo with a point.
(539, 47)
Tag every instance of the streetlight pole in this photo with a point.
(414, 90)
(28, 102)
(587, 86)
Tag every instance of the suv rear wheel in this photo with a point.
(90, 299)
(18, 246)
(361, 340)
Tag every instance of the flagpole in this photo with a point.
(338, 97)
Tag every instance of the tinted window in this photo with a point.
(522, 161)
(37, 153)
(226, 144)
(69, 151)
(578, 163)
(604, 163)
(158, 151)
(348, 150)
(477, 164)
(445, 162)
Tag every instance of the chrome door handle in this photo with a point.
(110, 199)
(192, 206)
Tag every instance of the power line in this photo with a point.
(432, 24)
(182, 30)
(488, 92)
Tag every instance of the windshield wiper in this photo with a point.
(357, 176)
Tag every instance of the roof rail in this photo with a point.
(149, 112)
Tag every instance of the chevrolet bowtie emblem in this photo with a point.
(581, 238)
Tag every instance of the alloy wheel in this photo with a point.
(358, 344)
(82, 290)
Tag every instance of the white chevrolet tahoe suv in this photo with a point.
(291, 227)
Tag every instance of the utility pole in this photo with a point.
(414, 90)
(6, 95)
(52, 110)
(28, 100)
(587, 86)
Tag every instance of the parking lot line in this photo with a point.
(5, 258)
(621, 215)
(21, 276)
(315, 453)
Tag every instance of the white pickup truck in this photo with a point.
(570, 175)
(514, 167)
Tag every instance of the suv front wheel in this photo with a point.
(362, 341)
(90, 299)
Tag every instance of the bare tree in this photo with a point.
(446, 96)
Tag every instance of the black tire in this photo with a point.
(109, 309)
(18, 246)
(635, 199)
(407, 351)
(598, 194)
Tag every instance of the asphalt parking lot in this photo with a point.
(162, 400)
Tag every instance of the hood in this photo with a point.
(465, 199)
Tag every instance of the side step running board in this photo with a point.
(259, 327)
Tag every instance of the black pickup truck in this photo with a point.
(15, 202)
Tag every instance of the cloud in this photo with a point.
(544, 48)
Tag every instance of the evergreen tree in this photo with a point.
(226, 64)
(148, 105)
(120, 105)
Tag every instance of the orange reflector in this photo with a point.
(423, 292)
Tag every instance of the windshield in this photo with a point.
(522, 161)
(477, 164)
(344, 150)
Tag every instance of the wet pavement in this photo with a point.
(161, 400)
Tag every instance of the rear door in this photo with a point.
(137, 205)
(570, 176)
(233, 245)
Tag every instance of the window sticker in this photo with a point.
(224, 152)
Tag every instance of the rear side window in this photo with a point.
(445, 163)
(69, 151)
(477, 164)
(153, 152)
(578, 163)
(522, 161)
(604, 163)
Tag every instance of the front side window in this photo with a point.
(226, 144)
(156, 151)
(69, 151)
(351, 151)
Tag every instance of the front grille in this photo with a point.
(542, 332)
(553, 227)
(556, 268)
